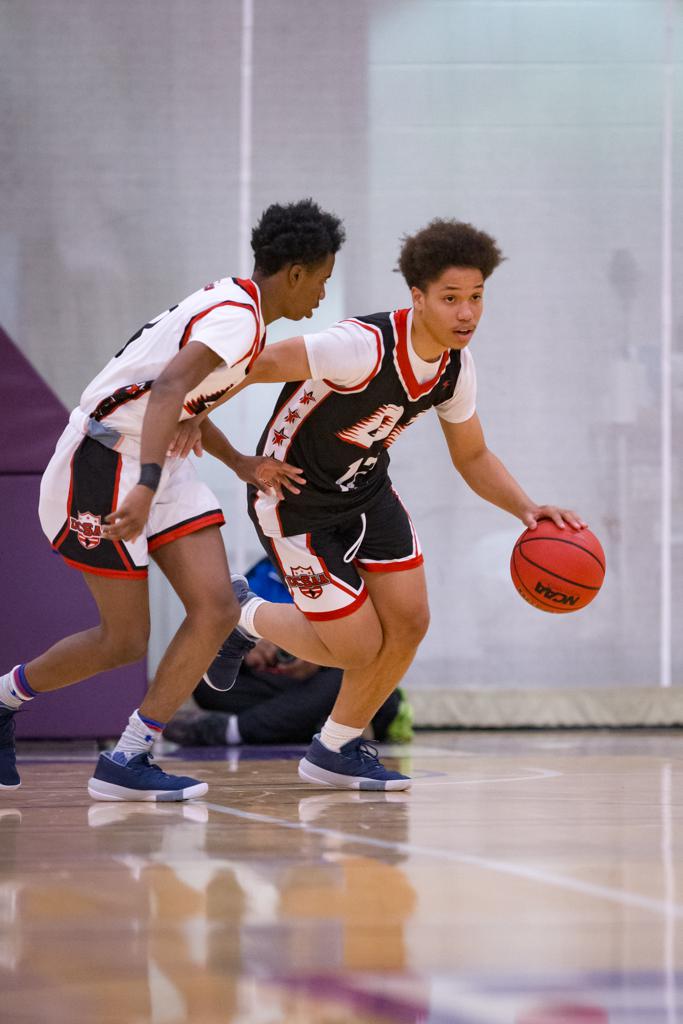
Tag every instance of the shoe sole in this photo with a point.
(316, 776)
(218, 689)
(12, 785)
(99, 790)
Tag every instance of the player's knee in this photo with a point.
(408, 633)
(362, 652)
(419, 624)
(217, 615)
(124, 649)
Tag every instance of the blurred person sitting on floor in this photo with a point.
(277, 698)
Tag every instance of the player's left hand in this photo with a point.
(560, 516)
(188, 438)
(270, 475)
(128, 521)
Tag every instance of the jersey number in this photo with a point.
(375, 427)
(364, 434)
(360, 467)
(144, 328)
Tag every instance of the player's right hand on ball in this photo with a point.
(128, 521)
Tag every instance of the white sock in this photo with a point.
(232, 733)
(247, 616)
(334, 736)
(13, 692)
(137, 737)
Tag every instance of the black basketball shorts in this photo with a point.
(321, 568)
(85, 481)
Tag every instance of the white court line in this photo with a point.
(619, 896)
(540, 773)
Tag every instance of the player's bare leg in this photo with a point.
(337, 757)
(120, 637)
(349, 642)
(375, 644)
(400, 602)
(197, 568)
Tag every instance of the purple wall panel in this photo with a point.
(31, 415)
(45, 601)
(42, 599)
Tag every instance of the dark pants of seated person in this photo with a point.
(273, 708)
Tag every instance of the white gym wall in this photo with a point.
(140, 140)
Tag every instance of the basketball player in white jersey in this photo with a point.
(114, 447)
(345, 544)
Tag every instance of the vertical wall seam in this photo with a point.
(666, 347)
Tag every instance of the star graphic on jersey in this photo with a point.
(279, 436)
(291, 416)
(306, 398)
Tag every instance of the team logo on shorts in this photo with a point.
(88, 529)
(310, 583)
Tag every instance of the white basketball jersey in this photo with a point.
(225, 316)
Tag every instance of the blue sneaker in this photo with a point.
(224, 669)
(356, 766)
(139, 778)
(9, 776)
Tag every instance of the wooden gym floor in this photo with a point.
(528, 878)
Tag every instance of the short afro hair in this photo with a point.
(446, 243)
(296, 233)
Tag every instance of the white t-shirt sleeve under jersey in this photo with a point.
(463, 402)
(345, 354)
(228, 331)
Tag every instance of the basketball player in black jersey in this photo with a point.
(345, 545)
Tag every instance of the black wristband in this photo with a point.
(150, 474)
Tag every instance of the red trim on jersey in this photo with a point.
(336, 613)
(122, 396)
(252, 291)
(61, 537)
(281, 455)
(118, 544)
(375, 370)
(158, 540)
(339, 584)
(127, 574)
(275, 552)
(123, 554)
(411, 563)
(416, 540)
(249, 286)
(299, 423)
(339, 613)
(413, 387)
(205, 312)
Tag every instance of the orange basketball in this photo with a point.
(557, 570)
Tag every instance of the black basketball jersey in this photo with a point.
(340, 437)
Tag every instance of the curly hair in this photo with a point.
(296, 233)
(446, 243)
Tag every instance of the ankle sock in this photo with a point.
(249, 609)
(15, 689)
(137, 737)
(232, 732)
(334, 736)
